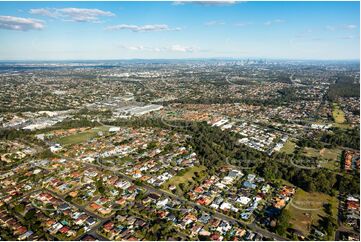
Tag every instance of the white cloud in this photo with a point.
(242, 24)
(21, 24)
(347, 37)
(304, 34)
(73, 14)
(135, 48)
(275, 21)
(179, 48)
(214, 22)
(142, 28)
(341, 27)
(172, 48)
(178, 3)
(350, 26)
(141, 48)
(208, 3)
(44, 12)
(330, 28)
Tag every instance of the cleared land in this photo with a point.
(337, 114)
(289, 147)
(187, 177)
(82, 136)
(307, 208)
(328, 158)
(327, 154)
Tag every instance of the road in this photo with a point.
(82, 208)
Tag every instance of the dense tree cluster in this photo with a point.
(343, 137)
(350, 184)
(10, 134)
(284, 79)
(343, 90)
(344, 86)
(283, 222)
(309, 142)
(311, 180)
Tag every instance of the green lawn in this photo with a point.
(81, 137)
(186, 177)
(307, 208)
(328, 158)
(331, 154)
(328, 154)
(337, 114)
(343, 126)
(289, 147)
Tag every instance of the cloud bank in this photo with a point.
(20, 24)
(275, 21)
(172, 48)
(207, 3)
(142, 28)
(73, 14)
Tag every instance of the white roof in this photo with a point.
(114, 129)
(243, 200)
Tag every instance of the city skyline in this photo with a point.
(179, 30)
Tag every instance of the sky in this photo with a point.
(172, 30)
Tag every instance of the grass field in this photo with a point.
(337, 114)
(307, 208)
(328, 158)
(185, 178)
(81, 137)
(331, 154)
(328, 154)
(342, 126)
(289, 147)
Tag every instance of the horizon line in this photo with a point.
(193, 58)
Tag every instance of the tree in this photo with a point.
(328, 208)
(30, 214)
(327, 224)
(283, 222)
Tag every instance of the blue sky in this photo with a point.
(123, 30)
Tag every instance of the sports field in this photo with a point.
(82, 136)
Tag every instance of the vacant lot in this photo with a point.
(337, 114)
(328, 158)
(307, 208)
(289, 147)
(82, 136)
(327, 154)
(187, 177)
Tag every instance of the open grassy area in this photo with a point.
(331, 154)
(337, 114)
(327, 154)
(307, 208)
(342, 126)
(311, 152)
(187, 177)
(289, 147)
(82, 136)
(328, 158)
